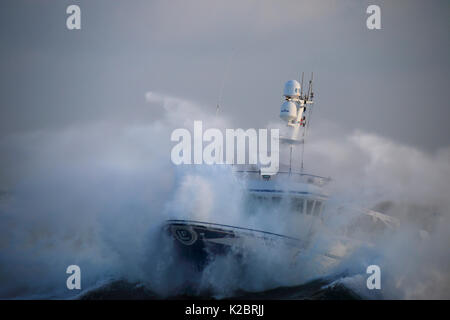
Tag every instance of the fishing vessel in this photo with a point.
(298, 197)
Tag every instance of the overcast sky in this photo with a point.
(86, 162)
(392, 82)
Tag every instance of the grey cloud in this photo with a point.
(390, 82)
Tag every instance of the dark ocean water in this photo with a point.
(320, 289)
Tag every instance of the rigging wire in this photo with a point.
(225, 75)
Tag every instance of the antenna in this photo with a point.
(290, 160)
(309, 99)
(301, 87)
(225, 76)
(303, 151)
(310, 94)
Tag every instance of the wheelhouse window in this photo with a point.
(317, 208)
(297, 204)
(276, 199)
(309, 206)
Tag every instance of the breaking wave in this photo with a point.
(97, 195)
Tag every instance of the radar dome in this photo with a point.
(288, 111)
(292, 89)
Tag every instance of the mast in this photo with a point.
(296, 111)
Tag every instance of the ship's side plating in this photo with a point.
(200, 242)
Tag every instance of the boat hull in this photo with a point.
(200, 242)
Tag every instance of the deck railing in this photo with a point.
(301, 176)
